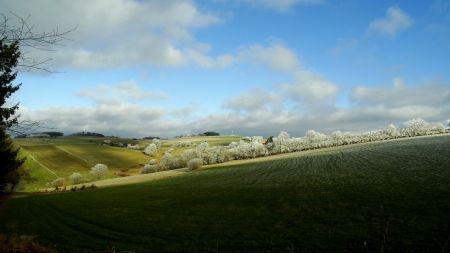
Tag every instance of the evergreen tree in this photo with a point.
(10, 162)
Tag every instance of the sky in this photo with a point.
(138, 68)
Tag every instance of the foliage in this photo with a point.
(46, 134)
(151, 149)
(150, 168)
(76, 178)
(256, 146)
(59, 182)
(210, 133)
(168, 162)
(89, 134)
(150, 137)
(416, 127)
(16, 33)
(157, 142)
(99, 171)
(195, 163)
(10, 163)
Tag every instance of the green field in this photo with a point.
(51, 158)
(381, 197)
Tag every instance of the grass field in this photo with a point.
(381, 197)
(51, 158)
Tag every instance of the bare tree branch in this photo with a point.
(14, 28)
(17, 30)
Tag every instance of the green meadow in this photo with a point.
(51, 158)
(391, 196)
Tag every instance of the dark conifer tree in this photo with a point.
(10, 163)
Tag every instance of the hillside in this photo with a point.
(385, 196)
(51, 158)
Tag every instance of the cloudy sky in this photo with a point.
(253, 67)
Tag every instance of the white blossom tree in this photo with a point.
(99, 171)
(76, 178)
(392, 131)
(151, 149)
(281, 143)
(416, 127)
(316, 139)
(337, 138)
(168, 162)
(195, 163)
(157, 142)
(59, 182)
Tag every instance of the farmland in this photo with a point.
(51, 158)
(385, 196)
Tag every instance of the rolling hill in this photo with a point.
(379, 197)
(51, 158)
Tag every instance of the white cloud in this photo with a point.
(111, 33)
(127, 91)
(397, 95)
(395, 21)
(275, 56)
(281, 5)
(255, 100)
(257, 112)
(307, 87)
(311, 88)
(124, 119)
(205, 61)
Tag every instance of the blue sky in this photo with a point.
(251, 67)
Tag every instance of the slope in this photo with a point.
(387, 196)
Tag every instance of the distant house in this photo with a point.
(107, 141)
(131, 146)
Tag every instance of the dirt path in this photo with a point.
(130, 179)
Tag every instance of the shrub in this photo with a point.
(169, 161)
(202, 147)
(195, 163)
(187, 155)
(150, 168)
(99, 171)
(59, 182)
(392, 131)
(76, 178)
(151, 149)
(416, 127)
(152, 162)
(157, 142)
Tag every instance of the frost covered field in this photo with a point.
(390, 196)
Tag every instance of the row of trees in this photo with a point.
(257, 146)
(97, 172)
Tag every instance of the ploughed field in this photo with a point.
(391, 196)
